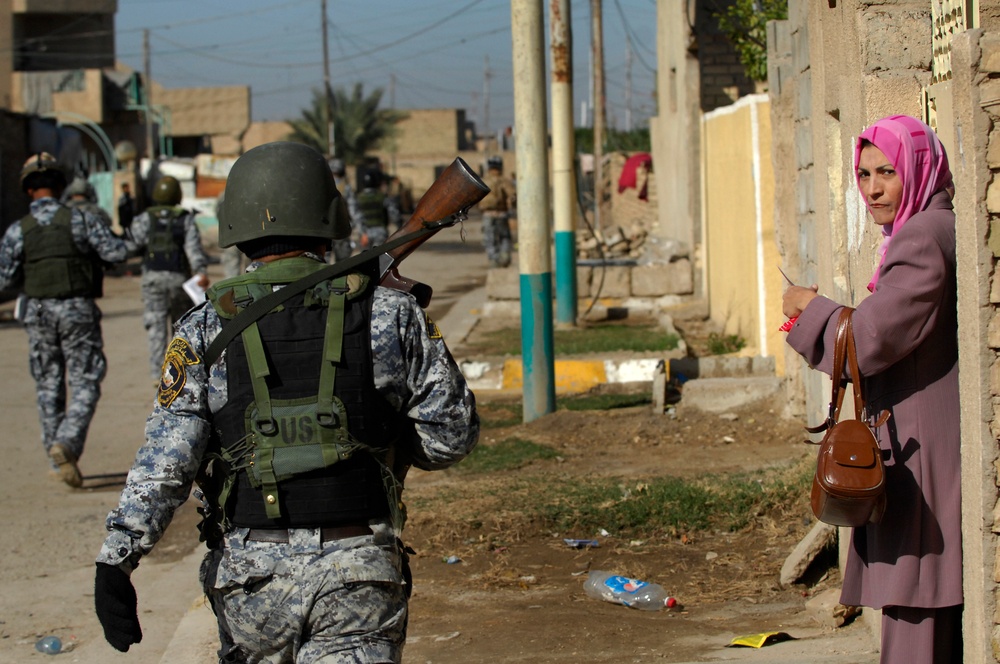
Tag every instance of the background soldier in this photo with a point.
(168, 239)
(376, 210)
(300, 436)
(80, 194)
(496, 208)
(57, 252)
(344, 247)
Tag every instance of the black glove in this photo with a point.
(116, 604)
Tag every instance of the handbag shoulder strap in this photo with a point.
(860, 405)
(839, 382)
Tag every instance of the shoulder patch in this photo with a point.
(433, 331)
(173, 375)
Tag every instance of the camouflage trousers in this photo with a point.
(65, 348)
(337, 602)
(376, 235)
(163, 302)
(496, 238)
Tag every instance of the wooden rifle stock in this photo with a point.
(446, 203)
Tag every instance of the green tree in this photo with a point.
(359, 124)
(745, 25)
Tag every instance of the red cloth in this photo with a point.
(629, 177)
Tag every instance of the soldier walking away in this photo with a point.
(126, 207)
(299, 435)
(496, 208)
(343, 248)
(376, 210)
(55, 254)
(167, 238)
(80, 194)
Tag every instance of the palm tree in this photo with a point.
(359, 124)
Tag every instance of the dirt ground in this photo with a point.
(516, 595)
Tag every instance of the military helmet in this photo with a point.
(167, 191)
(81, 187)
(371, 179)
(337, 166)
(281, 189)
(495, 162)
(42, 169)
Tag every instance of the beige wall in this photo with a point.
(428, 131)
(200, 111)
(742, 283)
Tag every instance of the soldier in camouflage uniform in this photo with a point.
(56, 253)
(376, 210)
(168, 239)
(299, 435)
(343, 248)
(80, 194)
(496, 211)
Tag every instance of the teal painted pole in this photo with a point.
(534, 250)
(563, 149)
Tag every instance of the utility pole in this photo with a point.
(486, 98)
(628, 85)
(600, 123)
(332, 149)
(563, 180)
(534, 258)
(147, 89)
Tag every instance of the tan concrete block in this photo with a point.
(990, 59)
(996, 565)
(993, 331)
(993, 149)
(993, 206)
(995, 377)
(995, 289)
(649, 280)
(995, 643)
(617, 281)
(584, 275)
(503, 284)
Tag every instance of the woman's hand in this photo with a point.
(796, 299)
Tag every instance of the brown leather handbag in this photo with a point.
(849, 485)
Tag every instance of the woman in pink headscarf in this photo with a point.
(909, 564)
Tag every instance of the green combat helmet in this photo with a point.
(167, 191)
(42, 169)
(281, 189)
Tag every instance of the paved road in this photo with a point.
(51, 533)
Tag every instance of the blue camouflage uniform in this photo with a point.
(304, 598)
(64, 334)
(163, 297)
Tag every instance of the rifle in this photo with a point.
(446, 203)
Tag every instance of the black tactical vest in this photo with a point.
(165, 243)
(54, 267)
(347, 490)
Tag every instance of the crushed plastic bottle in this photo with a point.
(50, 645)
(632, 593)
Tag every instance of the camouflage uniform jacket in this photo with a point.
(90, 234)
(414, 371)
(138, 237)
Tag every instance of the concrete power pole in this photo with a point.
(563, 180)
(147, 88)
(600, 122)
(332, 148)
(527, 35)
(487, 75)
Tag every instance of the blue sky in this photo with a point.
(422, 53)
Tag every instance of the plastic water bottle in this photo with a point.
(50, 645)
(633, 593)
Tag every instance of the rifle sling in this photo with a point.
(260, 307)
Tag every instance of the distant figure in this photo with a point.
(80, 194)
(496, 207)
(167, 238)
(344, 247)
(55, 253)
(126, 207)
(377, 211)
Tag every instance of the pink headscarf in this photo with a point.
(916, 153)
